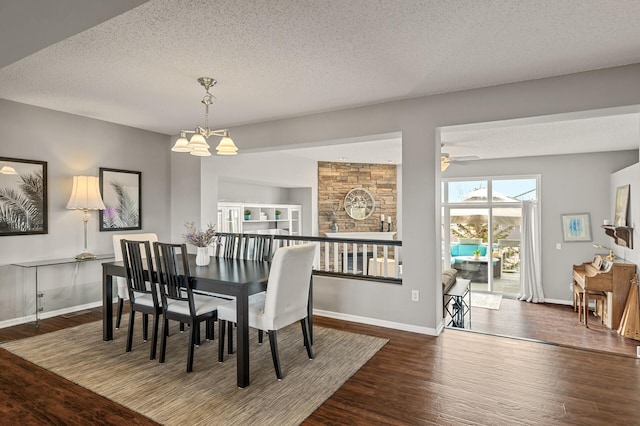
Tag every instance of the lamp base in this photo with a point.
(85, 256)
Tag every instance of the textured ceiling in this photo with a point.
(284, 58)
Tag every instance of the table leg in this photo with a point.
(107, 306)
(242, 344)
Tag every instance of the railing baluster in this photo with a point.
(327, 247)
(385, 251)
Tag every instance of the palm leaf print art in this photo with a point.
(22, 210)
(126, 212)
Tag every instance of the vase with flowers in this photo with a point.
(202, 239)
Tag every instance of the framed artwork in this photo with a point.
(576, 227)
(121, 194)
(622, 204)
(23, 197)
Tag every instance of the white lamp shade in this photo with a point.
(200, 151)
(226, 147)
(85, 194)
(181, 145)
(197, 141)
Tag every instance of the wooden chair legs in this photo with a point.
(599, 298)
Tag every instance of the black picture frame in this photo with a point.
(23, 197)
(121, 192)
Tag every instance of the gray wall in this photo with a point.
(73, 145)
(418, 120)
(250, 193)
(569, 184)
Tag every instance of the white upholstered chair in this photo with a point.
(123, 292)
(284, 302)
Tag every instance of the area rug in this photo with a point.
(209, 395)
(486, 300)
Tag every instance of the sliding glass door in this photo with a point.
(481, 230)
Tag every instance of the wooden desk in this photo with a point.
(615, 283)
(233, 277)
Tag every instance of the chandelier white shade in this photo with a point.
(85, 196)
(198, 145)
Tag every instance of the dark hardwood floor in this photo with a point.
(552, 323)
(457, 378)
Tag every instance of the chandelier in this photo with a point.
(198, 145)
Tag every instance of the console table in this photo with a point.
(36, 265)
(459, 303)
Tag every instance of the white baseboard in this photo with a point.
(379, 323)
(559, 301)
(44, 315)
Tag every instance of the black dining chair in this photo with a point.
(143, 294)
(257, 247)
(179, 301)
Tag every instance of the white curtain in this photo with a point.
(530, 268)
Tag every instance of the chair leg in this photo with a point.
(260, 336)
(210, 330)
(221, 328)
(193, 334)
(165, 333)
(132, 317)
(154, 336)
(273, 342)
(196, 328)
(181, 327)
(119, 316)
(305, 334)
(145, 327)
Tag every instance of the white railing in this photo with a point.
(379, 260)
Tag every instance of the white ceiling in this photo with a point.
(284, 58)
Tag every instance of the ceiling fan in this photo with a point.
(446, 160)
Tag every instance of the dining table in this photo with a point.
(238, 278)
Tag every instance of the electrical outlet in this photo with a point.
(558, 246)
(415, 295)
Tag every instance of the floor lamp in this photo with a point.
(85, 196)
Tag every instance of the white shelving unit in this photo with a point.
(262, 218)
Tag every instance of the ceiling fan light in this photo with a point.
(181, 145)
(226, 147)
(197, 141)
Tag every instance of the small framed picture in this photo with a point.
(23, 197)
(622, 205)
(576, 227)
(121, 193)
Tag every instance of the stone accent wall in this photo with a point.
(335, 180)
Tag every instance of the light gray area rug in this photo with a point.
(486, 300)
(208, 395)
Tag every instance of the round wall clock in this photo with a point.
(359, 203)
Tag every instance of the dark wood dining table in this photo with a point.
(234, 277)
